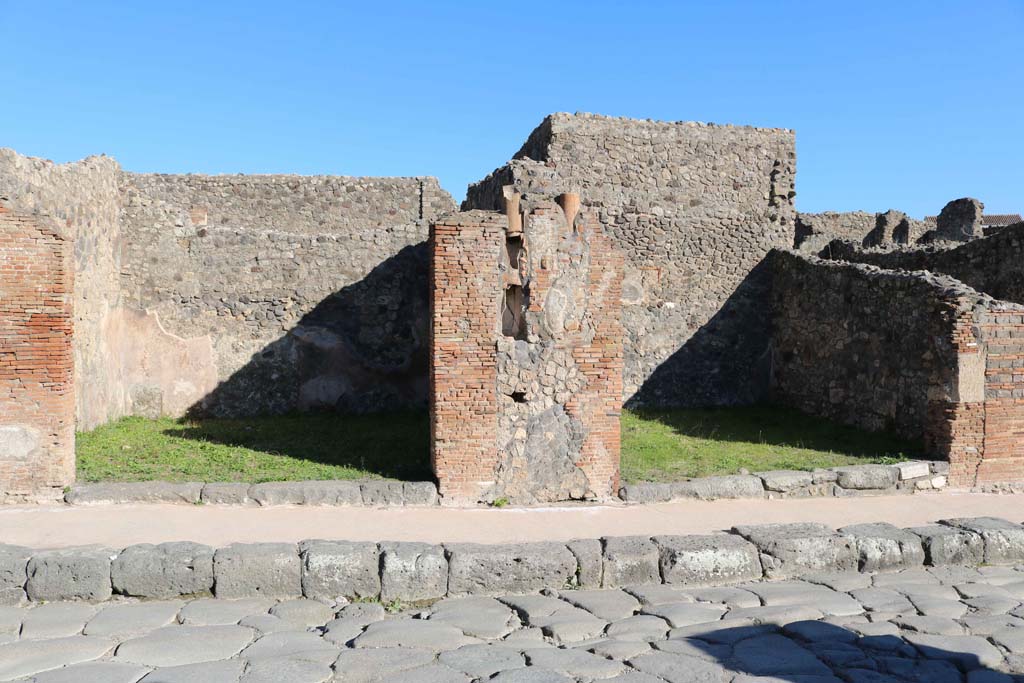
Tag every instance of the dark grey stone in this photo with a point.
(307, 493)
(589, 562)
(646, 492)
(412, 572)
(1004, 541)
(883, 547)
(786, 481)
(796, 549)
(333, 569)
(226, 493)
(947, 545)
(163, 571)
(420, 493)
(715, 488)
(70, 574)
(383, 493)
(134, 492)
(864, 477)
(244, 570)
(508, 568)
(13, 573)
(707, 560)
(630, 560)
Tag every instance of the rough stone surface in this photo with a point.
(945, 545)
(715, 488)
(796, 549)
(176, 645)
(257, 569)
(27, 657)
(307, 493)
(630, 560)
(163, 571)
(867, 477)
(75, 573)
(333, 569)
(883, 547)
(226, 493)
(589, 562)
(420, 493)
(13, 573)
(785, 481)
(1004, 541)
(960, 220)
(517, 568)
(382, 493)
(707, 560)
(412, 572)
(134, 492)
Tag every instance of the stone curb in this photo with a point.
(840, 482)
(370, 492)
(422, 572)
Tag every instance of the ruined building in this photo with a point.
(687, 278)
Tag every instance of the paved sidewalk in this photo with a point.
(937, 625)
(117, 526)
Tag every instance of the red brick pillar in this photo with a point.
(37, 401)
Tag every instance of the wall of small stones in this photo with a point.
(695, 207)
(37, 420)
(993, 265)
(421, 573)
(815, 230)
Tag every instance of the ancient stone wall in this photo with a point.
(815, 230)
(83, 198)
(526, 365)
(37, 400)
(695, 207)
(993, 265)
(921, 354)
(311, 292)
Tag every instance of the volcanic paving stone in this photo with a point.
(508, 568)
(419, 633)
(333, 569)
(224, 671)
(1004, 541)
(174, 645)
(483, 661)
(685, 614)
(707, 560)
(476, 616)
(795, 549)
(412, 572)
(380, 664)
(13, 573)
(132, 619)
(303, 612)
(883, 547)
(57, 620)
(74, 573)
(93, 672)
(573, 662)
(28, 657)
(630, 560)
(163, 571)
(257, 569)
(604, 604)
(210, 612)
(304, 644)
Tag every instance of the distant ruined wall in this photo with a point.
(815, 230)
(695, 207)
(37, 401)
(993, 265)
(310, 292)
(920, 354)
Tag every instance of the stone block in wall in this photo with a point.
(707, 560)
(134, 492)
(630, 560)
(792, 550)
(70, 574)
(167, 570)
(336, 569)
(307, 493)
(589, 562)
(947, 545)
(245, 570)
(884, 547)
(13, 574)
(1004, 540)
(412, 572)
(721, 487)
(508, 568)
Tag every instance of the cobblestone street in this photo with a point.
(925, 625)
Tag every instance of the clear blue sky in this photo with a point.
(896, 104)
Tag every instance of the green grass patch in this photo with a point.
(657, 445)
(669, 445)
(279, 448)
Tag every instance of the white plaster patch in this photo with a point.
(17, 441)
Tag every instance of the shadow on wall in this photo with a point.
(734, 344)
(803, 651)
(362, 349)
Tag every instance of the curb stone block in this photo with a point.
(790, 550)
(589, 565)
(822, 476)
(412, 572)
(382, 493)
(717, 488)
(226, 493)
(863, 477)
(307, 493)
(333, 569)
(13, 573)
(913, 469)
(883, 547)
(244, 570)
(630, 560)
(785, 481)
(646, 492)
(70, 574)
(477, 569)
(134, 492)
(708, 560)
(167, 570)
(947, 545)
(420, 493)
(1004, 541)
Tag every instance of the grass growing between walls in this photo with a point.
(663, 445)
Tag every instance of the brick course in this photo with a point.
(37, 400)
